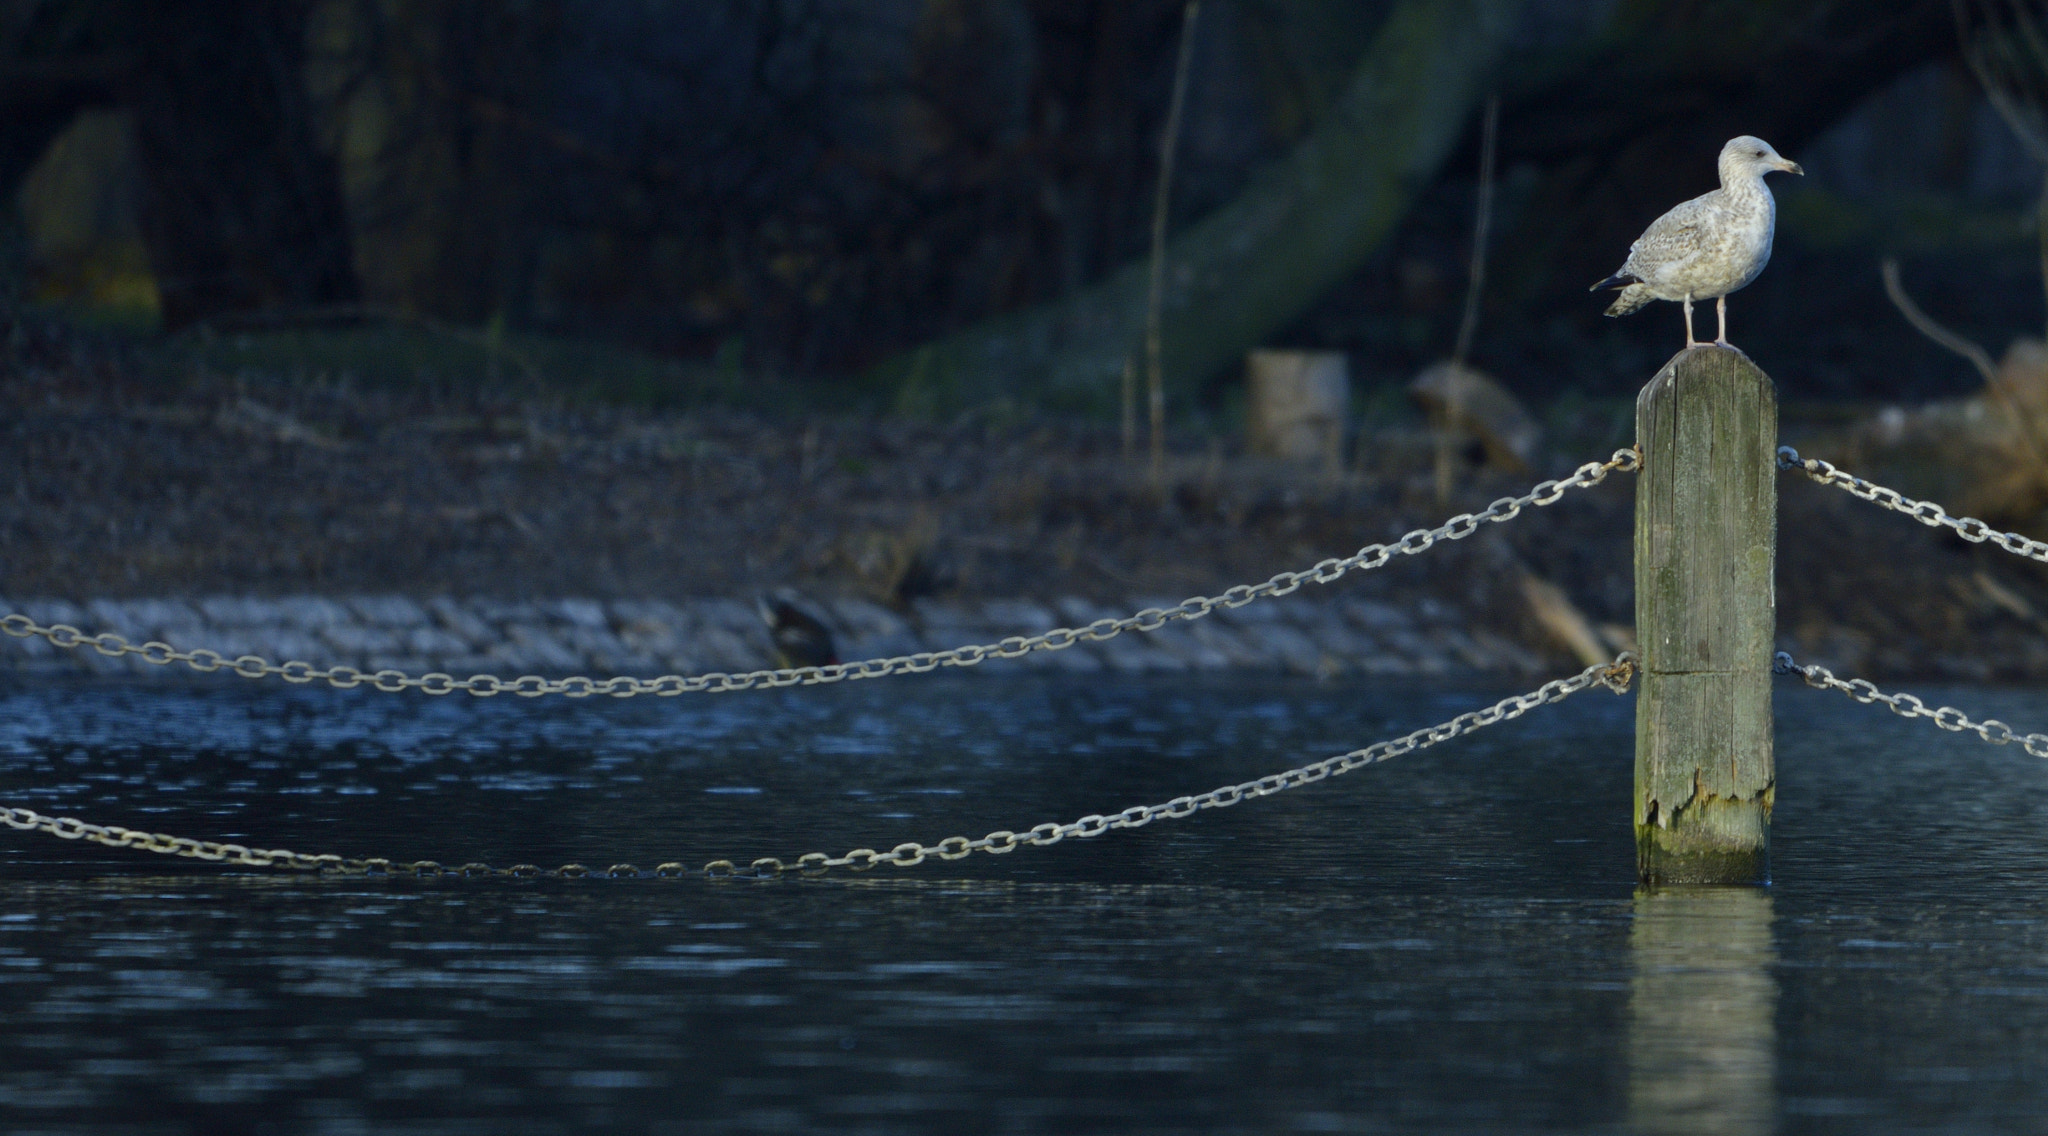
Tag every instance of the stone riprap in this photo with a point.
(1293, 634)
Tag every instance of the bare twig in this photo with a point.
(2007, 48)
(1925, 325)
(1445, 417)
(1481, 221)
(1154, 367)
(1968, 349)
(2041, 231)
(1130, 393)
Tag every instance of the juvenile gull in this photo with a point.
(1709, 246)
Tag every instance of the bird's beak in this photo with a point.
(1789, 166)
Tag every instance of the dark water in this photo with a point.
(1447, 943)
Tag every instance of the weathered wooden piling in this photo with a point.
(1706, 612)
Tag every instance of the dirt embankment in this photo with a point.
(125, 488)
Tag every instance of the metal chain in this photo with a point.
(1615, 676)
(114, 836)
(1926, 512)
(1907, 706)
(668, 686)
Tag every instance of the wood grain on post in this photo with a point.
(1706, 613)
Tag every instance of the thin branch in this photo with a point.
(2041, 231)
(1155, 377)
(2011, 64)
(1925, 325)
(1978, 357)
(1993, 51)
(1482, 220)
(1130, 407)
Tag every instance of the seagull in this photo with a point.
(1709, 246)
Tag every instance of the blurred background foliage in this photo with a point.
(732, 198)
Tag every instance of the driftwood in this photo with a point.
(1564, 621)
(1464, 400)
(1979, 455)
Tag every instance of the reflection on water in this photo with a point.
(1445, 943)
(1702, 1039)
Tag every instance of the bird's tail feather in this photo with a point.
(1632, 297)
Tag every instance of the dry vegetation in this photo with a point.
(125, 486)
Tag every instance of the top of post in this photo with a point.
(1711, 359)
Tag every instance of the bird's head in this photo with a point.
(1749, 156)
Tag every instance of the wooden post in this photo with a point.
(1706, 614)
(1296, 403)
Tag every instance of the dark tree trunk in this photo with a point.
(40, 97)
(1621, 124)
(240, 208)
(1255, 264)
(451, 140)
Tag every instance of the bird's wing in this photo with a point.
(1672, 240)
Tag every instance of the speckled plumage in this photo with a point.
(1710, 246)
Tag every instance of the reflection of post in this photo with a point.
(1701, 1036)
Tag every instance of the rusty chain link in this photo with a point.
(1615, 676)
(668, 686)
(1907, 706)
(1926, 512)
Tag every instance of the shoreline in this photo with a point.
(318, 521)
(1299, 635)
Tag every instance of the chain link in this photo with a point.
(117, 837)
(1907, 706)
(114, 836)
(1926, 512)
(668, 686)
(1615, 676)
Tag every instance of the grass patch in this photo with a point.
(430, 357)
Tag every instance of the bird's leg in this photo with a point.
(1689, 341)
(1721, 310)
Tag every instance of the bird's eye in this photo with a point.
(1759, 153)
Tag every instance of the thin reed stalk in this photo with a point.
(1155, 377)
(1482, 221)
